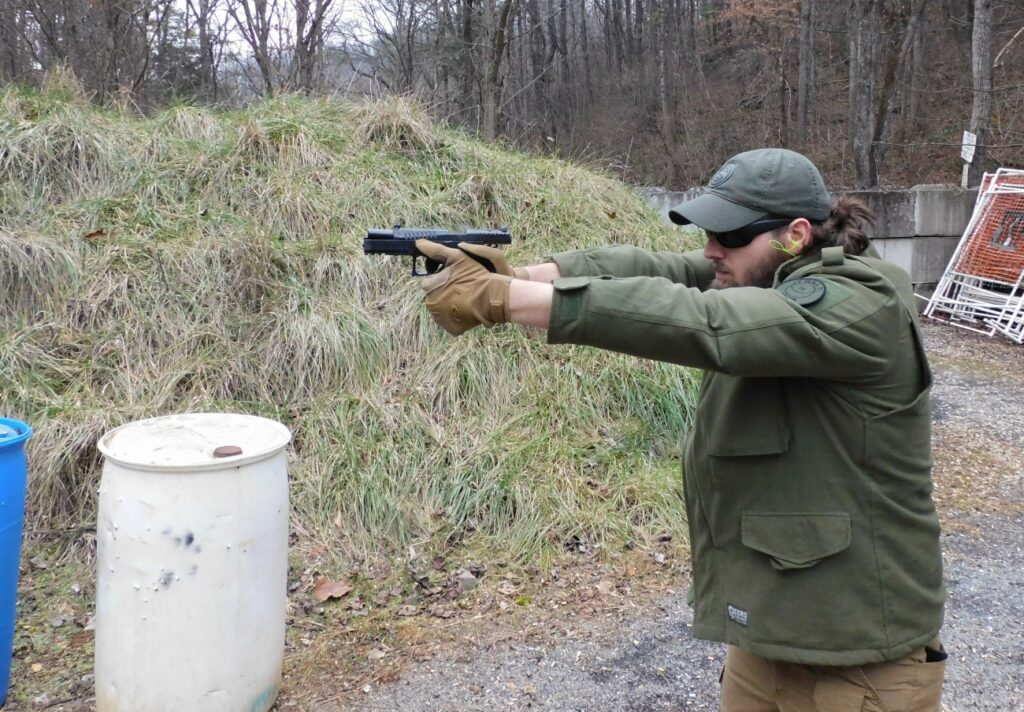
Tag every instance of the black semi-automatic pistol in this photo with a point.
(402, 241)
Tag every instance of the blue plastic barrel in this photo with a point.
(13, 435)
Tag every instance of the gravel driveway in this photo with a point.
(648, 661)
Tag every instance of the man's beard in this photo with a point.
(762, 275)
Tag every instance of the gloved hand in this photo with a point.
(464, 294)
(497, 258)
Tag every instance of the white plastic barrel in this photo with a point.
(192, 578)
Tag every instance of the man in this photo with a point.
(814, 538)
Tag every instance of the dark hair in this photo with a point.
(844, 226)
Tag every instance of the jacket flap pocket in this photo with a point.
(748, 418)
(796, 540)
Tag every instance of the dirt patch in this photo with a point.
(973, 474)
(395, 618)
(978, 436)
(335, 663)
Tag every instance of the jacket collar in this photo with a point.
(788, 267)
(807, 259)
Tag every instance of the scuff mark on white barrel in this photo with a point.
(192, 564)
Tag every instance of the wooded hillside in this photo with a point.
(876, 91)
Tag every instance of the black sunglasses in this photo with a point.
(743, 236)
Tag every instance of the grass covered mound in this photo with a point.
(202, 260)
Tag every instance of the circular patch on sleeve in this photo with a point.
(804, 292)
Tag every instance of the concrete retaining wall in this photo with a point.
(917, 228)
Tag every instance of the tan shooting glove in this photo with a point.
(497, 258)
(464, 294)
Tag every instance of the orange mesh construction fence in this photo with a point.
(995, 248)
(1003, 178)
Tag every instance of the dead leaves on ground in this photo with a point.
(325, 589)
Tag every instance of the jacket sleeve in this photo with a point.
(743, 331)
(688, 268)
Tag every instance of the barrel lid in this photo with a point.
(194, 441)
(13, 431)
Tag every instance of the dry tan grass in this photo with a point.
(35, 271)
(191, 124)
(202, 260)
(61, 84)
(398, 124)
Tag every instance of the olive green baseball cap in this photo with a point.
(753, 185)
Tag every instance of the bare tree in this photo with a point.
(805, 70)
(312, 22)
(12, 46)
(109, 44)
(395, 48)
(443, 18)
(914, 82)
(538, 75)
(661, 90)
(981, 70)
(585, 52)
(863, 27)
(897, 58)
(667, 90)
(211, 34)
(466, 61)
(254, 19)
(494, 30)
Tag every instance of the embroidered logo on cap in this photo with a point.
(724, 174)
(737, 614)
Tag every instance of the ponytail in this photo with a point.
(844, 226)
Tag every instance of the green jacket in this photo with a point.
(807, 470)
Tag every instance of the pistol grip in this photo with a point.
(487, 264)
(433, 266)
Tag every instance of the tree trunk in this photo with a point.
(666, 91)
(618, 43)
(585, 51)
(490, 86)
(896, 60)
(694, 66)
(981, 67)
(783, 96)
(9, 43)
(440, 66)
(538, 73)
(254, 23)
(863, 31)
(466, 63)
(627, 31)
(559, 110)
(203, 10)
(563, 42)
(806, 71)
(495, 23)
(916, 71)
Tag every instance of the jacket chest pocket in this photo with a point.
(745, 417)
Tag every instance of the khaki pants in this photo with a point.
(755, 684)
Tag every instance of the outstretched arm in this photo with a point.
(529, 303)
(545, 272)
